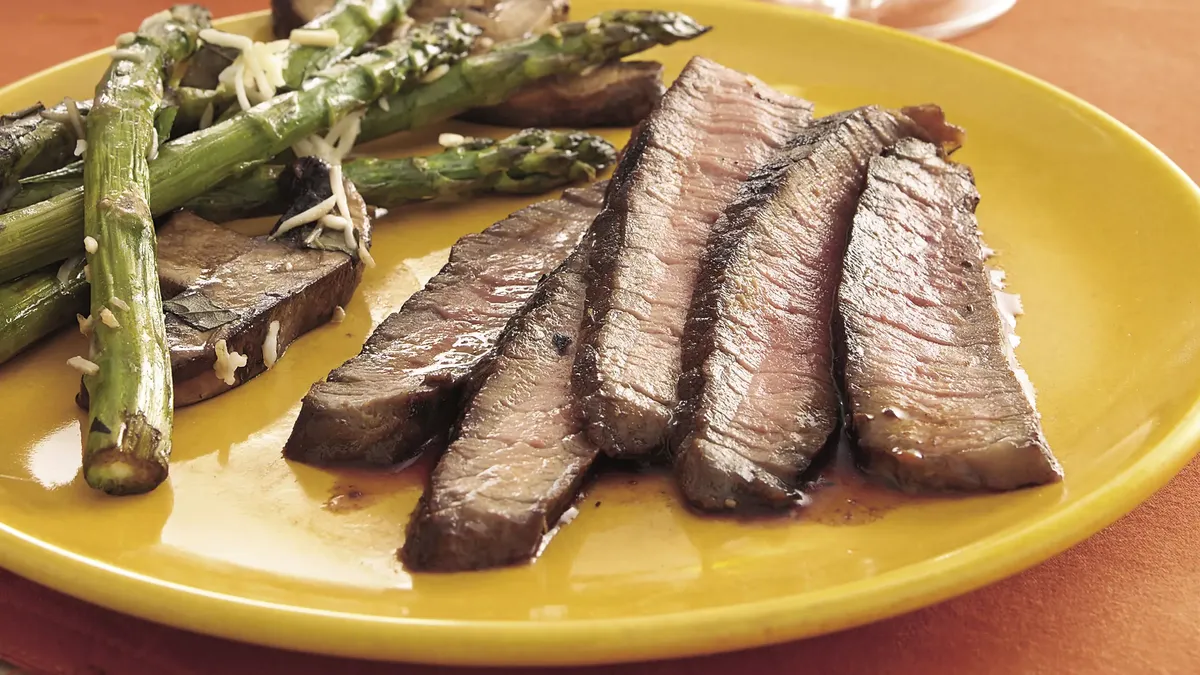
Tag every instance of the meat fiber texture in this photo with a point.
(937, 400)
(520, 454)
(682, 167)
(758, 398)
(404, 388)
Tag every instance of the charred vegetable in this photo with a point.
(190, 166)
(500, 19)
(491, 78)
(530, 162)
(35, 140)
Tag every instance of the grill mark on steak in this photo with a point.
(520, 453)
(683, 165)
(937, 401)
(404, 388)
(758, 398)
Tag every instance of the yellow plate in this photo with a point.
(1097, 229)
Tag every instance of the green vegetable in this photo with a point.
(128, 437)
(38, 304)
(190, 166)
(490, 78)
(530, 162)
(31, 143)
(355, 21)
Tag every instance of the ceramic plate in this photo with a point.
(1098, 232)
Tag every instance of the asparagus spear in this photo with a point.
(128, 439)
(43, 186)
(530, 162)
(190, 166)
(490, 78)
(38, 304)
(355, 21)
(31, 143)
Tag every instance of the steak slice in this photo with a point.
(682, 167)
(403, 389)
(757, 394)
(936, 398)
(520, 453)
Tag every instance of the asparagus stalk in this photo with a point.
(355, 22)
(38, 304)
(31, 143)
(490, 78)
(530, 162)
(128, 439)
(190, 166)
(44, 186)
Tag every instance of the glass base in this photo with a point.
(937, 19)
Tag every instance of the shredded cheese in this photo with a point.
(271, 345)
(593, 24)
(90, 244)
(383, 104)
(339, 315)
(125, 39)
(64, 270)
(80, 147)
(227, 363)
(435, 74)
(338, 186)
(119, 303)
(333, 222)
(206, 118)
(86, 323)
(153, 152)
(75, 118)
(449, 140)
(223, 39)
(305, 217)
(257, 73)
(365, 255)
(109, 319)
(127, 55)
(306, 37)
(59, 116)
(239, 86)
(83, 365)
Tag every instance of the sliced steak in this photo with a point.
(936, 398)
(681, 168)
(618, 94)
(520, 453)
(404, 388)
(757, 394)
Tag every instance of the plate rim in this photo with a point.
(621, 640)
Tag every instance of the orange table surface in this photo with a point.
(1125, 601)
